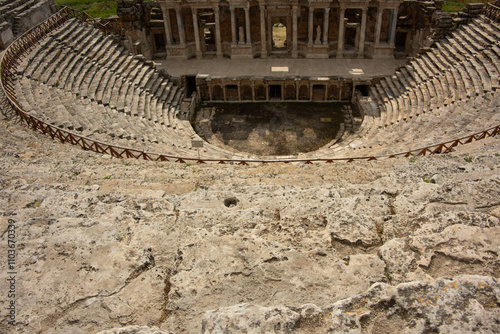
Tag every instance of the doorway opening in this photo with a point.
(275, 92)
(207, 19)
(364, 89)
(279, 37)
(159, 42)
(190, 85)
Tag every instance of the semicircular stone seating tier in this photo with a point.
(15, 14)
(447, 92)
(78, 79)
(81, 80)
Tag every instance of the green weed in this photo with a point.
(457, 5)
(428, 180)
(100, 8)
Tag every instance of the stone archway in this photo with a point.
(279, 31)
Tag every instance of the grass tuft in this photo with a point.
(458, 5)
(103, 8)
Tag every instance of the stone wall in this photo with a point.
(19, 16)
(380, 29)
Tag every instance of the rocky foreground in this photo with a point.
(401, 245)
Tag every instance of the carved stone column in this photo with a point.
(394, 22)
(199, 54)
(378, 25)
(166, 23)
(361, 51)
(247, 25)
(325, 26)
(263, 52)
(233, 26)
(180, 26)
(295, 52)
(218, 44)
(310, 28)
(210, 90)
(340, 47)
(296, 90)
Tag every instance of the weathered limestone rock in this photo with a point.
(135, 330)
(463, 304)
(105, 243)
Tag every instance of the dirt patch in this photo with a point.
(270, 128)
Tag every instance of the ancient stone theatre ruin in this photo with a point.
(418, 65)
(131, 211)
(245, 29)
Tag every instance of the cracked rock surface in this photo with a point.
(124, 246)
(415, 307)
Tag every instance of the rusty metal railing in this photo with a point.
(22, 46)
(492, 12)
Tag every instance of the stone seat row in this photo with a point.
(100, 122)
(59, 108)
(57, 65)
(82, 80)
(14, 8)
(450, 122)
(451, 72)
(453, 121)
(144, 93)
(115, 95)
(451, 88)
